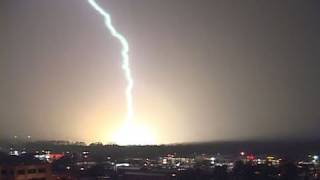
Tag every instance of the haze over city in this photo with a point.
(203, 70)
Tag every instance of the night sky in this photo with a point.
(204, 70)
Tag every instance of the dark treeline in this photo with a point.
(283, 149)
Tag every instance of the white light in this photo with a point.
(123, 165)
(135, 134)
(164, 161)
(85, 152)
(315, 157)
(16, 153)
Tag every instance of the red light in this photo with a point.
(250, 157)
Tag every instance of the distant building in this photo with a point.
(25, 172)
(24, 167)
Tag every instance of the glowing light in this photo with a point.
(124, 54)
(123, 165)
(134, 134)
(212, 160)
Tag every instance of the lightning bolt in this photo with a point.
(124, 54)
